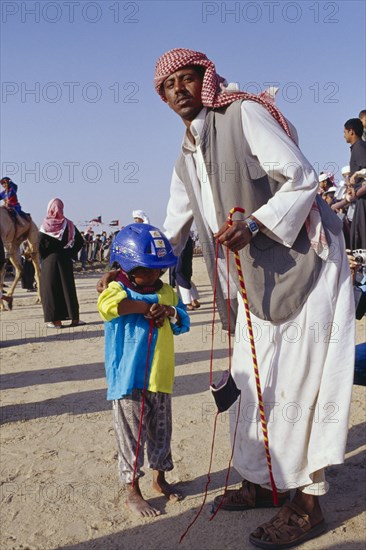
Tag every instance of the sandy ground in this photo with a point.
(59, 484)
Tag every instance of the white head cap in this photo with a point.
(330, 190)
(140, 214)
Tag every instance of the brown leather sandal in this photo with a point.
(289, 527)
(250, 495)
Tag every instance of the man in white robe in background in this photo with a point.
(306, 352)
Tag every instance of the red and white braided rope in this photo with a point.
(254, 358)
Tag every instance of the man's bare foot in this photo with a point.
(136, 503)
(161, 486)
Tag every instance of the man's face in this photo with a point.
(348, 135)
(182, 91)
(329, 198)
(323, 185)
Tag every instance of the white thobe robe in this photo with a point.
(306, 363)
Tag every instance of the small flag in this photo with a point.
(114, 223)
(96, 220)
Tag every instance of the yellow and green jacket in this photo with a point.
(126, 341)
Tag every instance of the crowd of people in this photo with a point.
(97, 245)
(289, 236)
(293, 255)
(347, 197)
(95, 248)
(59, 254)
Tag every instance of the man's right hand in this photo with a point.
(107, 278)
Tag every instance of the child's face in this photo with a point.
(144, 276)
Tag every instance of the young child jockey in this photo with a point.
(141, 315)
(10, 198)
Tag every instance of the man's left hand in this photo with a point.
(107, 278)
(234, 236)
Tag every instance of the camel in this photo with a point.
(13, 234)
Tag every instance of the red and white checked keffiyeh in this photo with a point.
(213, 94)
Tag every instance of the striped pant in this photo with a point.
(156, 432)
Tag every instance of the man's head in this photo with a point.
(326, 180)
(187, 81)
(206, 87)
(353, 130)
(346, 170)
(139, 216)
(362, 117)
(328, 195)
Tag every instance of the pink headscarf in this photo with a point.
(55, 223)
(213, 92)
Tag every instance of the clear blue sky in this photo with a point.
(80, 117)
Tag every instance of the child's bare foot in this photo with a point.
(161, 486)
(136, 503)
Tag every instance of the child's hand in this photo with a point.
(158, 313)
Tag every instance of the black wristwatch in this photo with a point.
(252, 226)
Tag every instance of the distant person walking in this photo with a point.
(59, 243)
(28, 270)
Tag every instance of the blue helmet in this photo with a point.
(141, 245)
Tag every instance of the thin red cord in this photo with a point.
(256, 372)
(214, 309)
(230, 461)
(207, 483)
(217, 413)
(239, 403)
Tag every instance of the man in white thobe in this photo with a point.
(303, 320)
